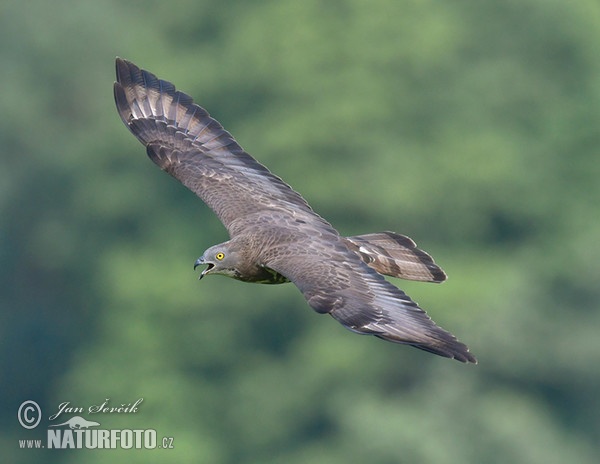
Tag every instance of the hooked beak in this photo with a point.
(199, 262)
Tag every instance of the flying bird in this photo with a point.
(275, 236)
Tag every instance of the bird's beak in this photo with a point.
(199, 262)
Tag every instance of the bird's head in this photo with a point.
(219, 259)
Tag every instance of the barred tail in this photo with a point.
(396, 255)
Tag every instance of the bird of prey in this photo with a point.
(275, 236)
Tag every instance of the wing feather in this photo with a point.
(185, 141)
(338, 282)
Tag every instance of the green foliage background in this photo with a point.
(472, 126)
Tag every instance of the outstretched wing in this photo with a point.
(336, 281)
(183, 140)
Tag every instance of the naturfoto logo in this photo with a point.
(79, 432)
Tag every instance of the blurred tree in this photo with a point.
(472, 126)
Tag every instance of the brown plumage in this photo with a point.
(275, 236)
(396, 255)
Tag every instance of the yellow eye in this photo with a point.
(219, 256)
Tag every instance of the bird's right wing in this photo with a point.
(183, 140)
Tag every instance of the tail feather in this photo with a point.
(396, 255)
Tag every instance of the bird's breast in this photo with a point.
(264, 275)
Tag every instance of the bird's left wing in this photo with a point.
(335, 281)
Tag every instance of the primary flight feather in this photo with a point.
(275, 236)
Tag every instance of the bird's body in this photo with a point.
(275, 236)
